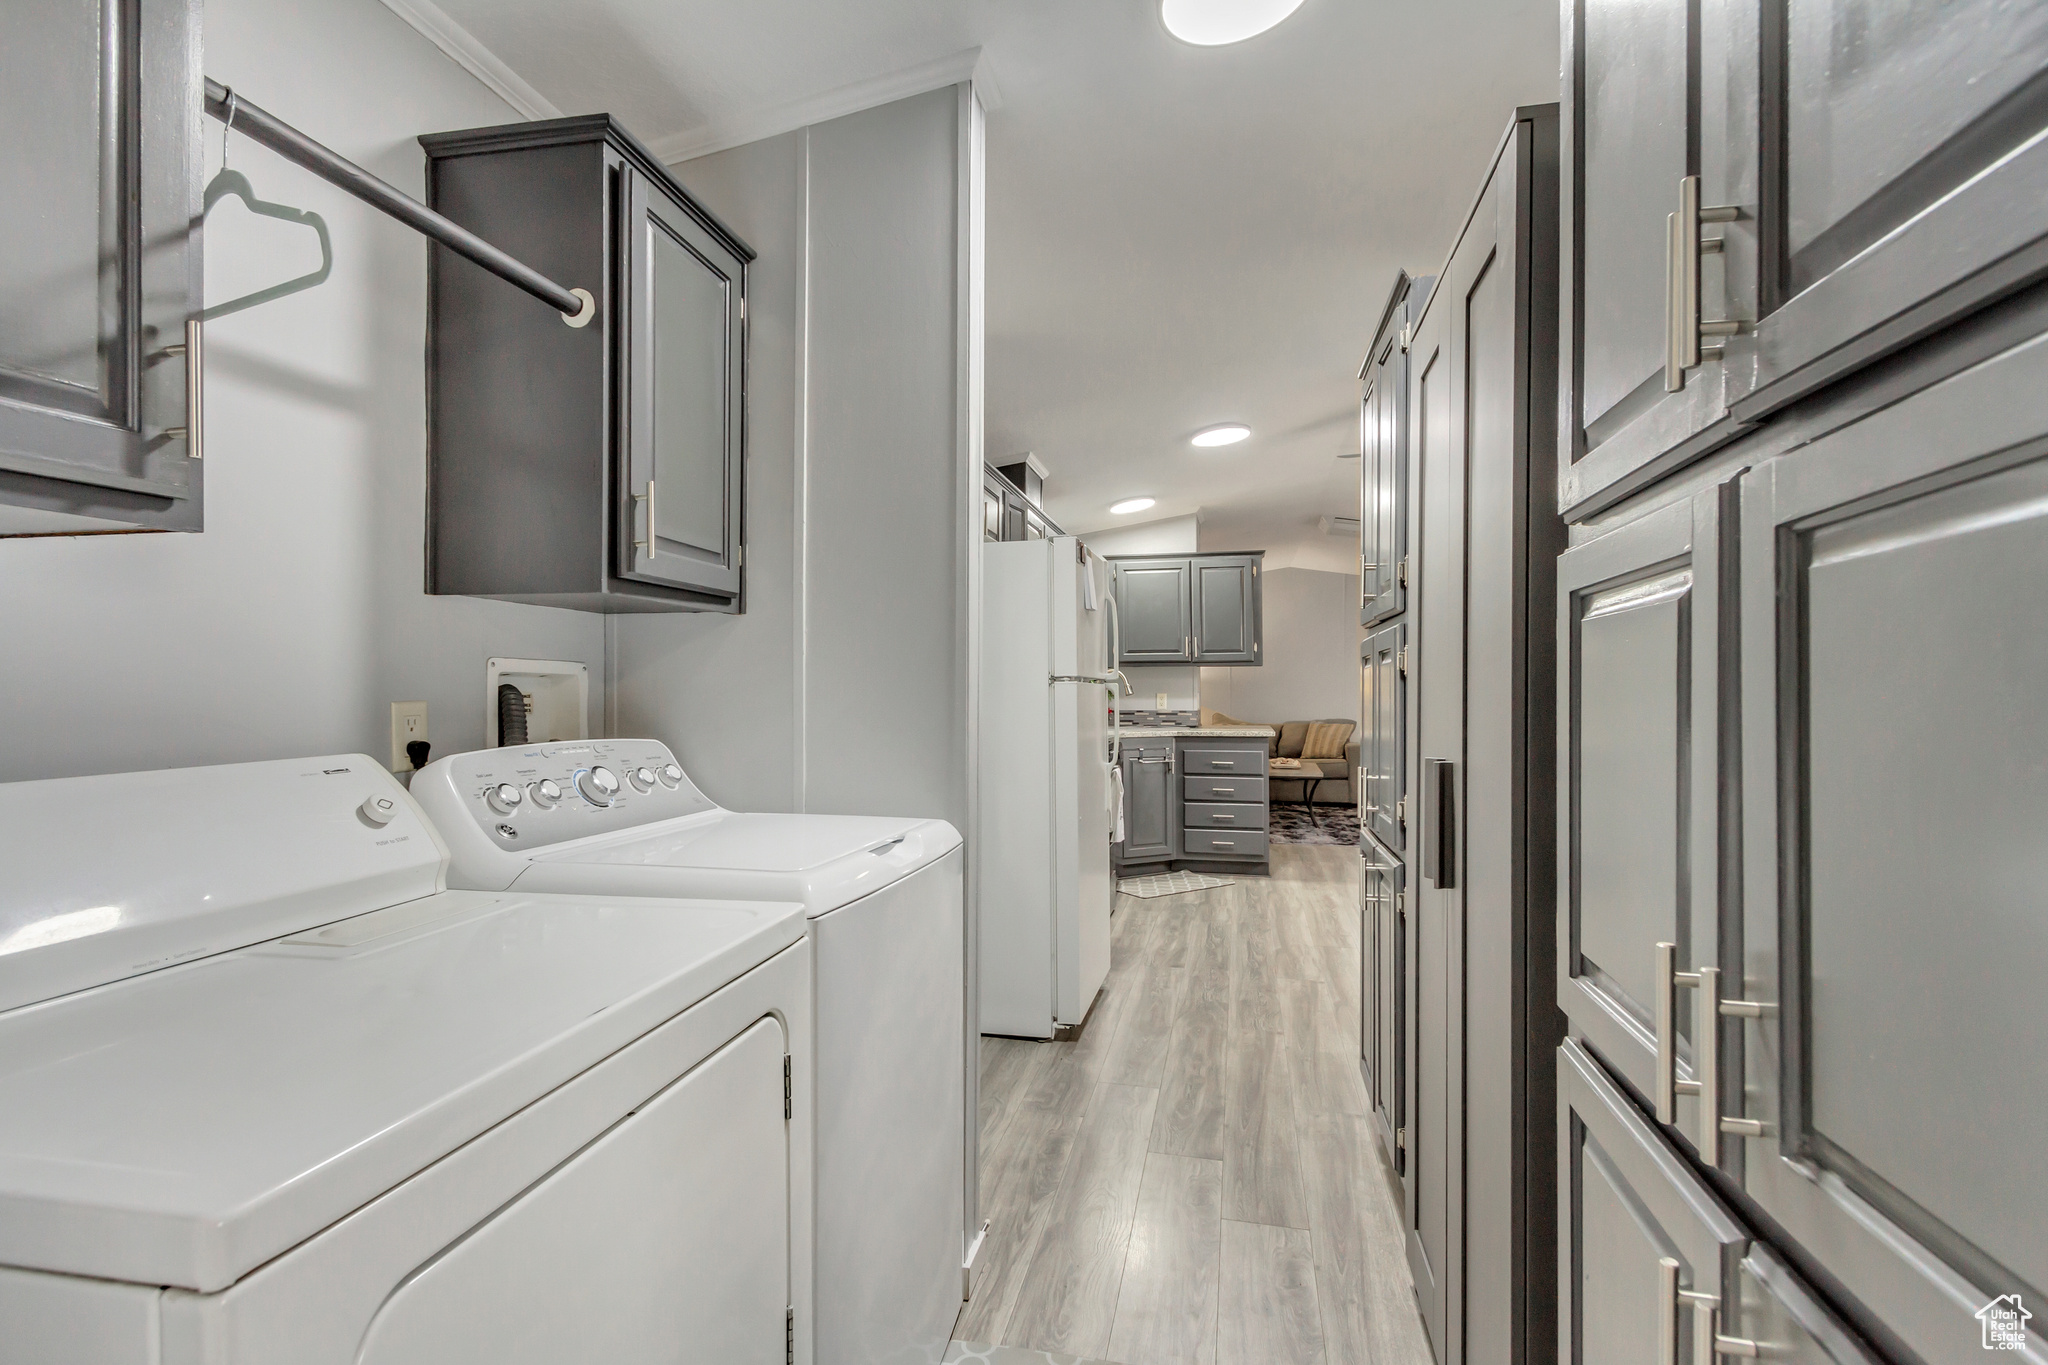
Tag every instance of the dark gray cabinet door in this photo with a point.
(1656, 95)
(1153, 600)
(1895, 737)
(1383, 1035)
(1150, 803)
(99, 210)
(685, 320)
(1905, 177)
(1639, 682)
(1383, 517)
(1383, 752)
(1226, 609)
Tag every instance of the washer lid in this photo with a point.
(184, 1127)
(824, 861)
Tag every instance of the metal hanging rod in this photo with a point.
(576, 306)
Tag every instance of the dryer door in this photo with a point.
(665, 1239)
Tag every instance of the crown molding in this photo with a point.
(472, 56)
(723, 133)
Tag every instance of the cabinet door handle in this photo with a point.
(194, 351)
(1708, 1010)
(647, 546)
(1223, 763)
(1439, 822)
(1682, 250)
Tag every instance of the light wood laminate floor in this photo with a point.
(1196, 1178)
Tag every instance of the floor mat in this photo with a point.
(968, 1352)
(1170, 884)
(1295, 823)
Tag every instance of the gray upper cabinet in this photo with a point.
(1154, 608)
(611, 475)
(684, 401)
(1894, 1083)
(1383, 752)
(100, 281)
(1762, 199)
(1639, 678)
(1659, 109)
(1655, 1267)
(1226, 609)
(1384, 457)
(1189, 609)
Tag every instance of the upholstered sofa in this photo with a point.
(1336, 774)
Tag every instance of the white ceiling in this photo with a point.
(1177, 236)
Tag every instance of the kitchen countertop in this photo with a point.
(1199, 731)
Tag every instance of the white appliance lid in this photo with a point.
(184, 1127)
(107, 877)
(824, 861)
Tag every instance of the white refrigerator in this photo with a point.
(1048, 799)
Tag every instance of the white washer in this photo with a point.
(885, 898)
(269, 1093)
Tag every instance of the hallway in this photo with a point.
(1196, 1178)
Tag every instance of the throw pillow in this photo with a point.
(1292, 733)
(1327, 738)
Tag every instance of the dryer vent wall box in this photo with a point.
(233, 1127)
(553, 701)
(600, 467)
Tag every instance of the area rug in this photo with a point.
(1170, 884)
(1294, 823)
(968, 1353)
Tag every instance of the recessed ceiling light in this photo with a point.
(1229, 434)
(1130, 505)
(1213, 23)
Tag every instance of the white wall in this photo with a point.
(721, 690)
(845, 686)
(1168, 536)
(293, 621)
(1310, 649)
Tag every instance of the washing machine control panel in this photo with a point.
(532, 795)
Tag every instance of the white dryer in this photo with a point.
(269, 1093)
(885, 897)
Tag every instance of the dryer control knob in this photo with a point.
(378, 810)
(546, 794)
(504, 798)
(671, 776)
(598, 786)
(642, 779)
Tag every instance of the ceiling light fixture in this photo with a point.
(1129, 505)
(1214, 23)
(1229, 434)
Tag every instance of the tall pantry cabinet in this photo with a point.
(1468, 874)
(1801, 724)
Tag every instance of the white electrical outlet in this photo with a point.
(408, 723)
(1159, 701)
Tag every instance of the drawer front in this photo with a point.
(1227, 762)
(1224, 789)
(1219, 843)
(1245, 815)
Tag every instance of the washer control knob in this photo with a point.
(504, 798)
(642, 779)
(545, 794)
(598, 785)
(378, 810)
(671, 776)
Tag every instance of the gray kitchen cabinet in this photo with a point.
(1154, 610)
(1655, 1268)
(1385, 455)
(1383, 788)
(1009, 514)
(1150, 802)
(1225, 608)
(1640, 669)
(100, 282)
(1189, 609)
(1764, 199)
(611, 476)
(1383, 1036)
(1894, 1034)
(1481, 1133)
